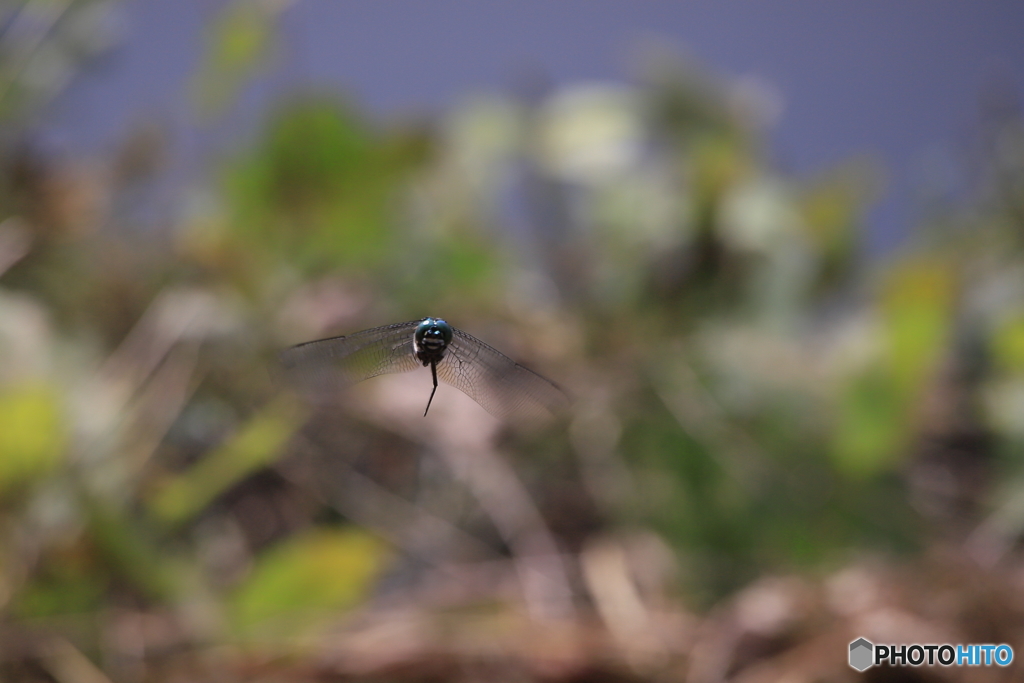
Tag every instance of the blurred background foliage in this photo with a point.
(753, 399)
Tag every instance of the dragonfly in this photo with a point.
(500, 385)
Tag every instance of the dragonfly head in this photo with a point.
(433, 334)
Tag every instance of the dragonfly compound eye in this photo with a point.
(433, 333)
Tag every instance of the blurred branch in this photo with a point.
(615, 594)
(160, 403)
(595, 433)
(15, 242)
(363, 501)
(539, 563)
(173, 315)
(995, 536)
(67, 664)
(464, 439)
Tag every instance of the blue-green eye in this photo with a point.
(445, 330)
(433, 328)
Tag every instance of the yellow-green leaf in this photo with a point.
(871, 429)
(32, 433)
(917, 305)
(239, 42)
(257, 444)
(1008, 346)
(308, 578)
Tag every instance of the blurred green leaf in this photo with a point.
(256, 445)
(1008, 346)
(878, 408)
(917, 306)
(317, 191)
(872, 424)
(132, 552)
(33, 434)
(237, 45)
(314, 574)
(69, 581)
(717, 162)
(833, 205)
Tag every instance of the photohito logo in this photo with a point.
(865, 654)
(861, 653)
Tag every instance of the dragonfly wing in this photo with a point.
(329, 364)
(503, 387)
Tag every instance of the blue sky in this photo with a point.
(900, 82)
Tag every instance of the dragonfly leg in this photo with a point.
(433, 372)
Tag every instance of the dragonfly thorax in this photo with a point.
(430, 340)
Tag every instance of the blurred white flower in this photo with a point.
(26, 342)
(590, 133)
(1003, 402)
(757, 215)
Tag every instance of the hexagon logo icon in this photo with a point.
(861, 651)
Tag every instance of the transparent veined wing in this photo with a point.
(328, 364)
(503, 387)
